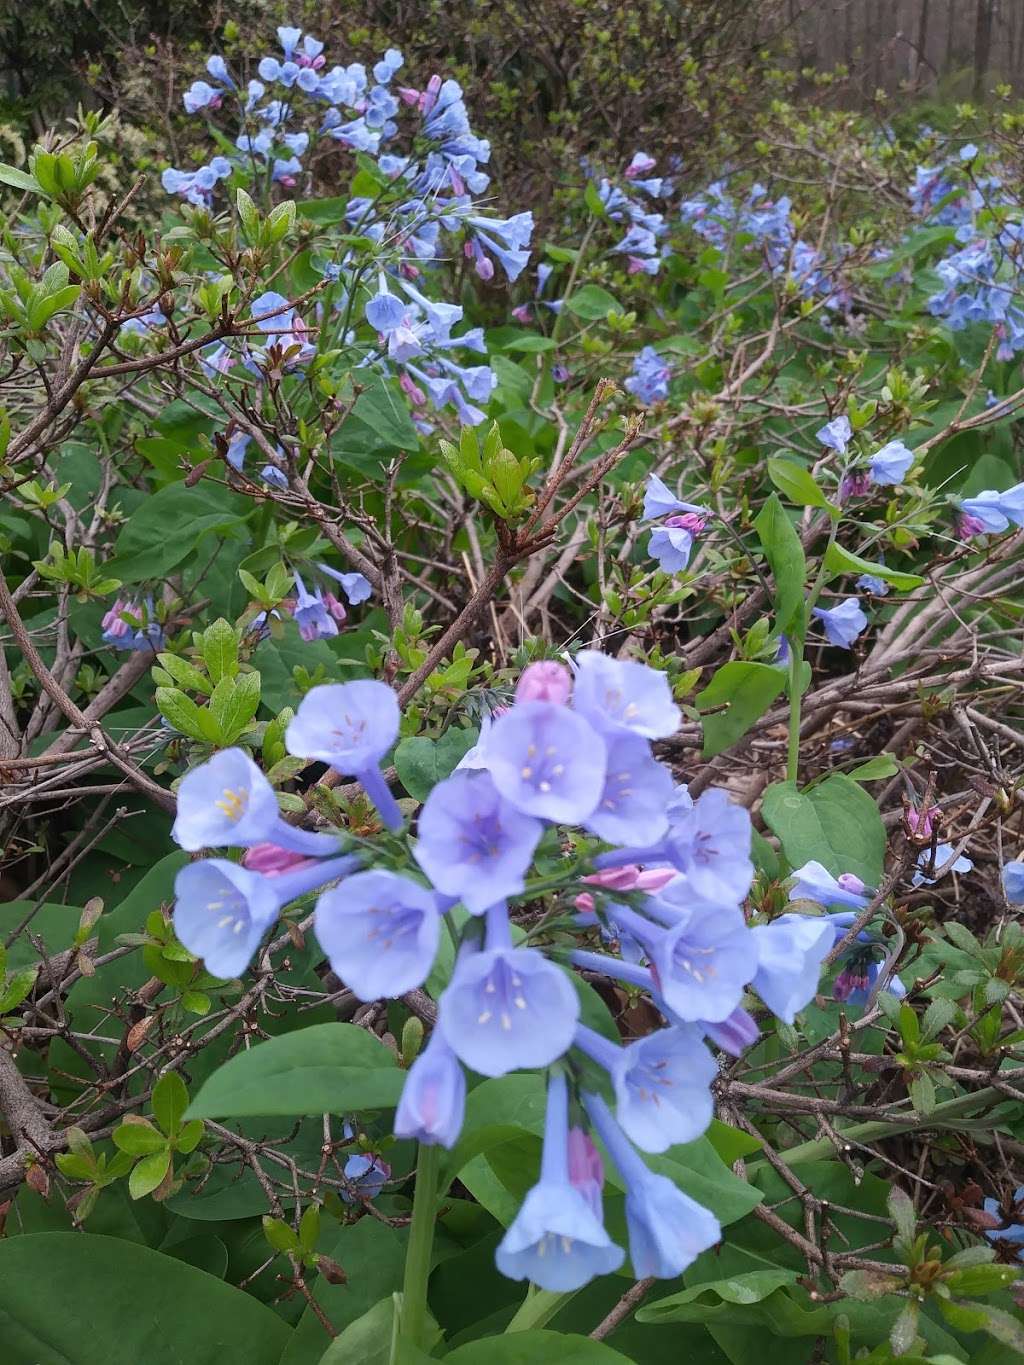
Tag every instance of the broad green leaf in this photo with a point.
(874, 769)
(219, 648)
(839, 560)
(149, 1173)
(835, 823)
(536, 1348)
(326, 1069)
(785, 555)
(139, 1139)
(748, 689)
(184, 714)
(421, 762)
(234, 703)
(19, 180)
(795, 481)
(368, 1340)
(121, 1301)
(170, 1100)
(592, 302)
(702, 1301)
(165, 528)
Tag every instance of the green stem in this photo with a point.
(421, 1242)
(796, 658)
(538, 1308)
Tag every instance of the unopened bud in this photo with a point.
(412, 1039)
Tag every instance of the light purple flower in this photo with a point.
(367, 1175)
(890, 464)
(545, 680)
(473, 844)
(671, 546)
(790, 952)
(660, 501)
(547, 761)
(380, 933)
(1013, 882)
(662, 1084)
(556, 1240)
(227, 802)
(667, 1229)
(637, 791)
(842, 624)
(813, 882)
(836, 434)
(944, 865)
(355, 587)
(733, 1034)
(433, 1101)
(619, 696)
(868, 582)
(995, 510)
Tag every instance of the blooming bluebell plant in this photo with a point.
(573, 750)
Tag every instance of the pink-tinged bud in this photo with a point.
(288, 181)
(334, 606)
(847, 982)
(544, 681)
(968, 526)
(408, 96)
(854, 486)
(429, 97)
(735, 1033)
(467, 250)
(635, 265)
(112, 618)
(457, 182)
(631, 878)
(412, 391)
(586, 1169)
(409, 271)
(850, 882)
(484, 267)
(585, 903)
(922, 822)
(272, 861)
(521, 313)
(688, 521)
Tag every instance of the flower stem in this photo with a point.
(421, 1241)
(796, 658)
(538, 1308)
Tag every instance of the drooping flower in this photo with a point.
(507, 1008)
(473, 844)
(733, 1034)
(869, 582)
(667, 1229)
(545, 680)
(620, 696)
(222, 909)
(380, 933)
(855, 985)
(556, 1240)
(943, 865)
(890, 464)
(790, 952)
(350, 726)
(355, 587)
(671, 546)
(227, 802)
(996, 511)
(366, 1175)
(1012, 1233)
(650, 378)
(547, 761)
(836, 434)
(660, 501)
(813, 882)
(662, 1084)
(433, 1099)
(637, 790)
(842, 624)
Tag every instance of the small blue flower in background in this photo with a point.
(813, 882)
(968, 151)
(855, 984)
(472, 843)
(355, 586)
(870, 583)
(621, 697)
(228, 802)
(132, 626)
(943, 865)
(662, 1084)
(890, 464)
(380, 933)
(660, 501)
(201, 95)
(790, 950)
(1013, 882)
(366, 1176)
(433, 1101)
(649, 380)
(836, 434)
(842, 624)
(671, 546)
(1014, 1232)
(667, 1229)
(556, 1240)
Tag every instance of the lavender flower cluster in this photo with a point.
(661, 912)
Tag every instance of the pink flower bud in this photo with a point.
(922, 822)
(544, 681)
(631, 878)
(846, 983)
(408, 96)
(849, 882)
(968, 526)
(272, 861)
(585, 903)
(688, 521)
(412, 391)
(429, 97)
(521, 313)
(334, 606)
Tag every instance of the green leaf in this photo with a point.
(795, 481)
(185, 673)
(835, 823)
(592, 302)
(219, 648)
(234, 703)
(326, 1069)
(170, 1100)
(594, 201)
(982, 1317)
(749, 689)
(903, 1332)
(785, 555)
(149, 1173)
(19, 180)
(983, 1279)
(902, 1213)
(183, 713)
(874, 769)
(189, 1136)
(528, 343)
(536, 1348)
(280, 1234)
(838, 561)
(139, 1139)
(167, 526)
(867, 1285)
(99, 1278)
(368, 1340)
(421, 762)
(922, 1093)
